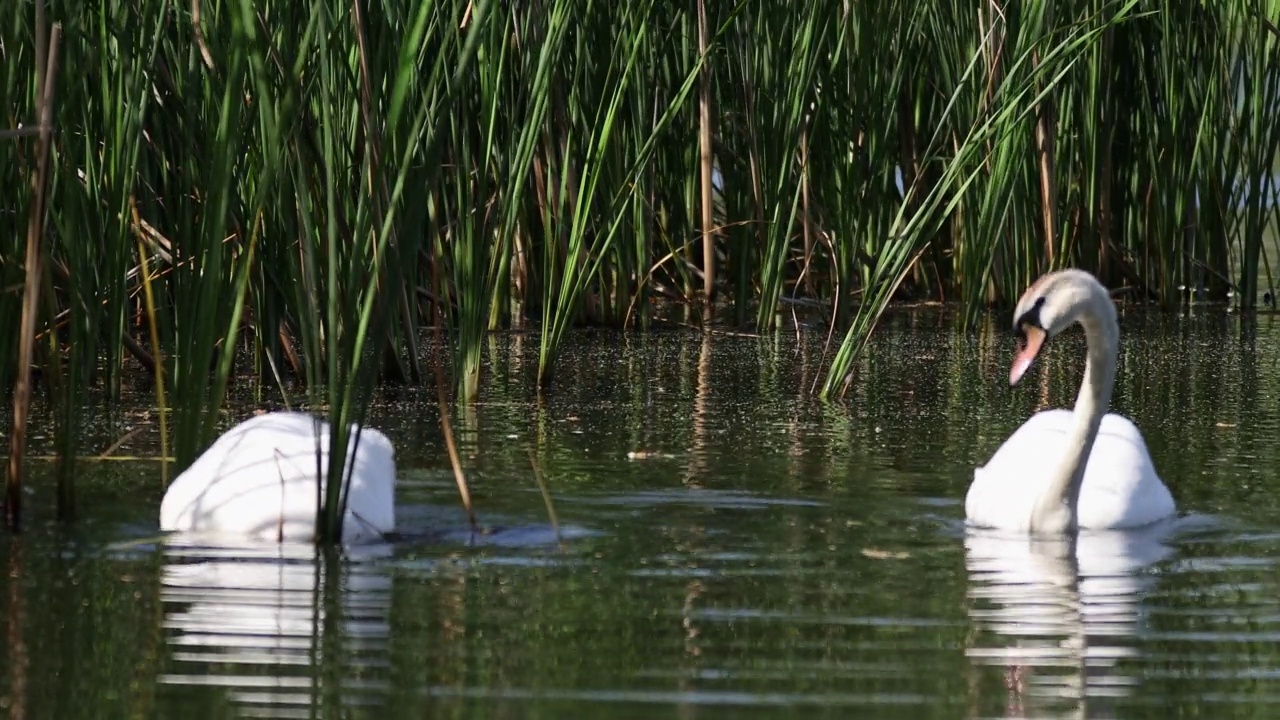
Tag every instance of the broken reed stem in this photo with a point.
(446, 426)
(546, 498)
(106, 454)
(454, 460)
(47, 66)
(158, 365)
(21, 132)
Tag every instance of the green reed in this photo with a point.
(315, 187)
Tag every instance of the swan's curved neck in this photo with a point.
(1056, 510)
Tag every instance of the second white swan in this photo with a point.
(262, 480)
(1065, 470)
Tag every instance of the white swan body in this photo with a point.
(1120, 487)
(260, 481)
(1065, 470)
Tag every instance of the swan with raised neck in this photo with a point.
(1104, 477)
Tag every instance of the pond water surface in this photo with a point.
(727, 548)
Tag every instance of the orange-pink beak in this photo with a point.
(1027, 354)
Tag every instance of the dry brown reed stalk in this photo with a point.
(46, 72)
(1046, 129)
(704, 170)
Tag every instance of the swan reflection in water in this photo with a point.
(1060, 615)
(283, 631)
(255, 620)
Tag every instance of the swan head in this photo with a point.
(1052, 304)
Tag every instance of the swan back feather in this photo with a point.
(260, 480)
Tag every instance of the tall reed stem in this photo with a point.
(47, 61)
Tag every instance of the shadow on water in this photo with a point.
(726, 547)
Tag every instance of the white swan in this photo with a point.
(1067, 470)
(260, 481)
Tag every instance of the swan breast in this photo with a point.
(1120, 488)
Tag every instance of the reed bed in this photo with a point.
(312, 186)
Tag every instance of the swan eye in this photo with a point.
(1029, 318)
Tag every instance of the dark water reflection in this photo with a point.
(728, 548)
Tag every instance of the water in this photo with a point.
(727, 549)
